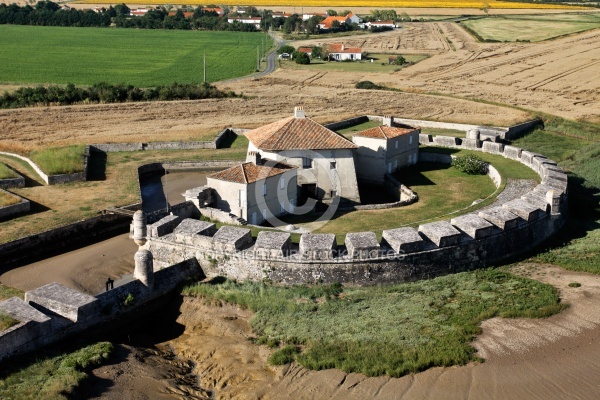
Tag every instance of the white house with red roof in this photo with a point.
(339, 52)
(256, 191)
(385, 149)
(246, 20)
(324, 158)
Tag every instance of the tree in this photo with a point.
(301, 58)
(317, 52)
(332, 13)
(335, 26)
(122, 9)
(286, 48)
(399, 60)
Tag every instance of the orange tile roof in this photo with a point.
(250, 172)
(305, 49)
(329, 20)
(384, 132)
(340, 48)
(297, 134)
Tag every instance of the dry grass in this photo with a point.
(7, 199)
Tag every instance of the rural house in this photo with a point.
(246, 20)
(339, 52)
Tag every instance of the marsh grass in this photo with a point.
(392, 330)
(6, 173)
(7, 292)
(59, 160)
(51, 374)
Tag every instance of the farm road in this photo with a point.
(271, 60)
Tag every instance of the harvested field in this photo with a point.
(559, 77)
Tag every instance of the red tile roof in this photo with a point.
(250, 172)
(305, 49)
(340, 48)
(329, 20)
(297, 134)
(384, 132)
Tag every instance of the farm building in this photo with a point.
(385, 149)
(381, 24)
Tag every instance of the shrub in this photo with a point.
(470, 164)
(400, 60)
(301, 58)
(6, 321)
(366, 85)
(283, 356)
(574, 284)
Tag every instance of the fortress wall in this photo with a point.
(467, 242)
(39, 327)
(347, 123)
(33, 245)
(22, 207)
(12, 182)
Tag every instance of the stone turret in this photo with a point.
(144, 268)
(139, 228)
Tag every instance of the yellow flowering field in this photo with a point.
(361, 3)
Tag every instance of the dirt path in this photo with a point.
(557, 357)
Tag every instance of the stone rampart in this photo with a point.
(9, 183)
(54, 312)
(466, 242)
(60, 178)
(223, 136)
(347, 123)
(22, 206)
(33, 245)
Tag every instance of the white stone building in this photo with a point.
(325, 159)
(339, 52)
(246, 20)
(384, 149)
(256, 191)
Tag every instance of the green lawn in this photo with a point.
(444, 132)
(388, 329)
(59, 160)
(441, 190)
(355, 66)
(531, 28)
(84, 56)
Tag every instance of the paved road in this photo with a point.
(271, 64)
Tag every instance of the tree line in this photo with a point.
(48, 13)
(107, 93)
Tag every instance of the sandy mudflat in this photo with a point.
(84, 269)
(553, 358)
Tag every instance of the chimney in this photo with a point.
(257, 158)
(299, 112)
(388, 120)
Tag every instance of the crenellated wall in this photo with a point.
(479, 239)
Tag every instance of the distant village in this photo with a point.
(250, 18)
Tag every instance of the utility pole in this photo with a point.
(204, 66)
(257, 59)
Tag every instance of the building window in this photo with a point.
(333, 194)
(410, 140)
(306, 162)
(282, 208)
(264, 189)
(395, 164)
(396, 144)
(333, 165)
(264, 214)
(282, 183)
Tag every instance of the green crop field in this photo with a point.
(531, 28)
(142, 58)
